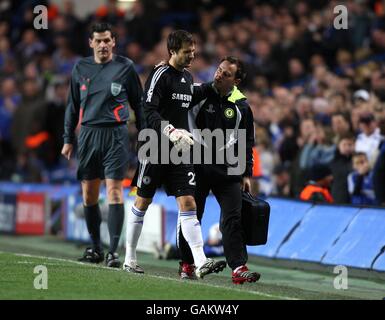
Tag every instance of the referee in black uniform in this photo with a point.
(224, 108)
(102, 88)
(168, 95)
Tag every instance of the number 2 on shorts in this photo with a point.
(192, 180)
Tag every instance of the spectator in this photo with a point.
(298, 172)
(263, 61)
(109, 13)
(9, 101)
(341, 166)
(63, 57)
(317, 150)
(317, 189)
(281, 178)
(340, 125)
(287, 147)
(369, 139)
(360, 97)
(29, 47)
(304, 107)
(360, 181)
(142, 25)
(5, 51)
(29, 117)
(267, 161)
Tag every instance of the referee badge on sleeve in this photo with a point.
(115, 88)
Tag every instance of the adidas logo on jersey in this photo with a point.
(183, 80)
(210, 109)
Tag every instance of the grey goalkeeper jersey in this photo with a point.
(100, 94)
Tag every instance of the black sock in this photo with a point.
(93, 220)
(115, 224)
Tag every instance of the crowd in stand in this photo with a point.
(317, 93)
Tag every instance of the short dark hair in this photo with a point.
(366, 117)
(177, 38)
(100, 27)
(319, 172)
(347, 136)
(241, 73)
(359, 154)
(344, 116)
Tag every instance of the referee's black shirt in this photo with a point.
(100, 94)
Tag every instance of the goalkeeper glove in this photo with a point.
(181, 138)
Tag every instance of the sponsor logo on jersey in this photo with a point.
(181, 97)
(183, 80)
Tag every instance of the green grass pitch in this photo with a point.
(69, 279)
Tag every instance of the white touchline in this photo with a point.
(153, 276)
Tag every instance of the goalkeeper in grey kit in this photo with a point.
(102, 88)
(168, 94)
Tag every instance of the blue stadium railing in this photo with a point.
(303, 231)
(298, 231)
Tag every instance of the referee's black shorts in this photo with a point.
(178, 180)
(103, 152)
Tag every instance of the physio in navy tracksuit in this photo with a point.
(224, 108)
